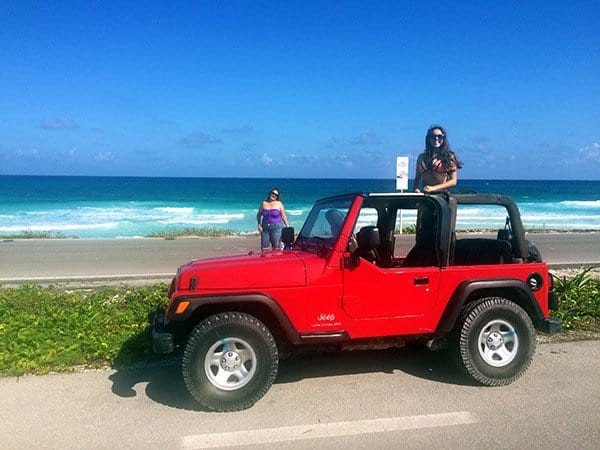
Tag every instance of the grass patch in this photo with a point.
(410, 229)
(579, 301)
(193, 232)
(28, 234)
(47, 329)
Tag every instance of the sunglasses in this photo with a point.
(437, 137)
(276, 194)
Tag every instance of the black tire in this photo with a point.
(496, 341)
(230, 361)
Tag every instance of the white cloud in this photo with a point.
(104, 156)
(333, 143)
(266, 159)
(59, 124)
(197, 140)
(33, 153)
(344, 160)
(591, 152)
(295, 158)
(367, 138)
(245, 130)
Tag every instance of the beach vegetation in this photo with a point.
(47, 329)
(28, 234)
(538, 230)
(193, 232)
(410, 229)
(579, 300)
(52, 329)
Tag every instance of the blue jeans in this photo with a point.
(271, 234)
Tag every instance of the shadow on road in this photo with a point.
(165, 385)
(414, 360)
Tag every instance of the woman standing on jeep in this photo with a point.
(271, 219)
(437, 166)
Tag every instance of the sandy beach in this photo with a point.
(150, 260)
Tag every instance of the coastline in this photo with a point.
(210, 234)
(91, 207)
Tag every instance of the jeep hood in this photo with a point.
(272, 269)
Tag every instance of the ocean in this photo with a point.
(110, 207)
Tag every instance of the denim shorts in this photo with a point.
(271, 234)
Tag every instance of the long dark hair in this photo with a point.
(447, 156)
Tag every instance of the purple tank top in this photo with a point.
(270, 216)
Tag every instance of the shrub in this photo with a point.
(192, 232)
(578, 300)
(46, 329)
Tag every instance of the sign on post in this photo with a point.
(402, 173)
(401, 179)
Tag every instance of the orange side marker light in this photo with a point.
(182, 307)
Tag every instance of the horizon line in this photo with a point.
(288, 178)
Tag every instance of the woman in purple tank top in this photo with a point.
(271, 219)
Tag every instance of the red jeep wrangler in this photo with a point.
(365, 270)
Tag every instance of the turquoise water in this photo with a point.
(103, 207)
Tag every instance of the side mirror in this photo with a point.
(287, 236)
(350, 260)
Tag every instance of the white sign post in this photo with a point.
(401, 178)
(401, 173)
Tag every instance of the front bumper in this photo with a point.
(162, 341)
(552, 300)
(551, 325)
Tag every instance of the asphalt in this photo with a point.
(150, 260)
(388, 399)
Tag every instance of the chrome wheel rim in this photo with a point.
(498, 343)
(230, 364)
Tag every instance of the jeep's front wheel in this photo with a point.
(230, 361)
(496, 341)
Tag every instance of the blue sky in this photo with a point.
(298, 89)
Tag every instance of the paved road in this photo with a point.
(407, 398)
(104, 259)
(150, 260)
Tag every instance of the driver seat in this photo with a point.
(368, 254)
(423, 254)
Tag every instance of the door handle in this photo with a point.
(421, 281)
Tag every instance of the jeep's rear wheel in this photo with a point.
(230, 361)
(496, 341)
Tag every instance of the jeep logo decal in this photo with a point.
(326, 317)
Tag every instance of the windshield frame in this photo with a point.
(321, 243)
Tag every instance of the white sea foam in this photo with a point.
(581, 204)
(171, 210)
(562, 217)
(192, 222)
(202, 219)
(488, 211)
(120, 217)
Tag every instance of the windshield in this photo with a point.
(324, 223)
